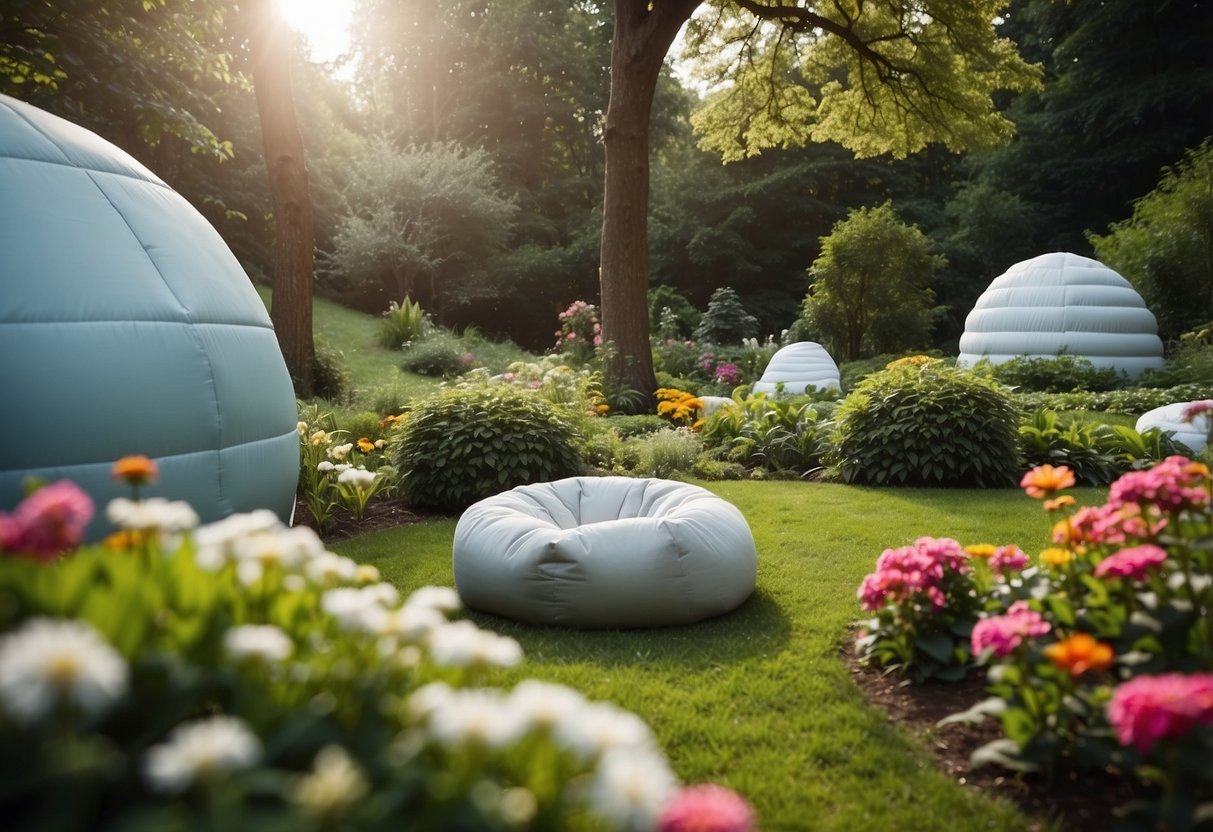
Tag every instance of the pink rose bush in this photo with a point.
(580, 331)
(47, 523)
(1090, 649)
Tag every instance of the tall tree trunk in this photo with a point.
(291, 309)
(642, 38)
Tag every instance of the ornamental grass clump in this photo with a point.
(239, 676)
(1098, 657)
(465, 444)
(927, 424)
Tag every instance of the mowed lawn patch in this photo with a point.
(761, 700)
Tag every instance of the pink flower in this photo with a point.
(1151, 708)
(1131, 563)
(707, 808)
(47, 522)
(1196, 409)
(1008, 559)
(572, 336)
(1174, 484)
(913, 573)
(1003, 633)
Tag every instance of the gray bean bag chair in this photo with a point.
(604, 552)
(1169, 418)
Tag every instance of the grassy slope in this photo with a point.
(368, 365)
(759, 699)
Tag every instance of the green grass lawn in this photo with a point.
(760, 699)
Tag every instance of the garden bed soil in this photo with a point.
(1070, 803)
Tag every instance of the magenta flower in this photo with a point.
(1174, 484)
(707, 808)
(1008, 559)
(1196, 409)
(1002, 634)
(47, 522)
(913, 573)
(1151, 708)
(1131, 563)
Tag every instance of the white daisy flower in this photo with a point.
(600, 727)
(201, 750)
(359, 608)
(335, 783)
(324, 466)
(462, 644)
(630, 789)
(366, 574)
(428, 698)
(545, 705)
(475, 716)
(408, 622)
(340, 452)
(152, 513)
(360, 478)
(443, 598)
(327, 569)
(50, 661)
(214, 542)
(258, 642)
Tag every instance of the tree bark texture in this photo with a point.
(643, 36)
(291, 308)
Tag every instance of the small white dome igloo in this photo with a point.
(127, 326)
(799, 366)
(1062, 303)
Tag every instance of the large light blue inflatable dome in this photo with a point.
(128, 327)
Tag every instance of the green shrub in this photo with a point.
(1191, 363)
(726, 321)
(771, 433)
(666, 452)
(401, 324)
(927, 424)
(329, 380)
(678, 359)
(707, 467)
(637, 425)
(1058, 374)
(466, 444)
(1132, 401)
(1096, 453)
(441, 353)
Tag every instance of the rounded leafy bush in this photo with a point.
(466, 444)
(928, 424)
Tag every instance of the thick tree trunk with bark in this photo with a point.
(291, 309)
(642, 38)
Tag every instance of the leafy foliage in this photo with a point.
(1096, 453)
(440, 353)
(665, 453)
(1163, 249)
(402, 322)
(1132, 401)
(1058, 374)
(870, 288)
(726, 321)
(775, 434)
(927, 424)
(466, 444)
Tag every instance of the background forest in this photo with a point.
(455, 156)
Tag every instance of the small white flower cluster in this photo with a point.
(631, 782)
(152, 514)
(359, 477)
(340, 452)
(421, 622)
(201, 751)
(258, 542)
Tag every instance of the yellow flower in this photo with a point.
(602, 408)
(1056, 556)
(321, 437)
(365, 445)
(981, 550)
(122, 540)
(910, 360)
(1064, 501)
(302, 428)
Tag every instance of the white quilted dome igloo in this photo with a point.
(799, 366)
(1062, 303)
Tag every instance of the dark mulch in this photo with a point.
(1072, 802)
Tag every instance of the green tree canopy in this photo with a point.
(871, 286)
(420, 213)
(1166, 248)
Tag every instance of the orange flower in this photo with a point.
(123, 540)
(1080, 653)
(1043, 480)
(1056, 556)
(981, 550)
(135, 470)
(365, 445)
(1064, 501)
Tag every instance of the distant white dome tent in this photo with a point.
(1063, 303)
(797, 367)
